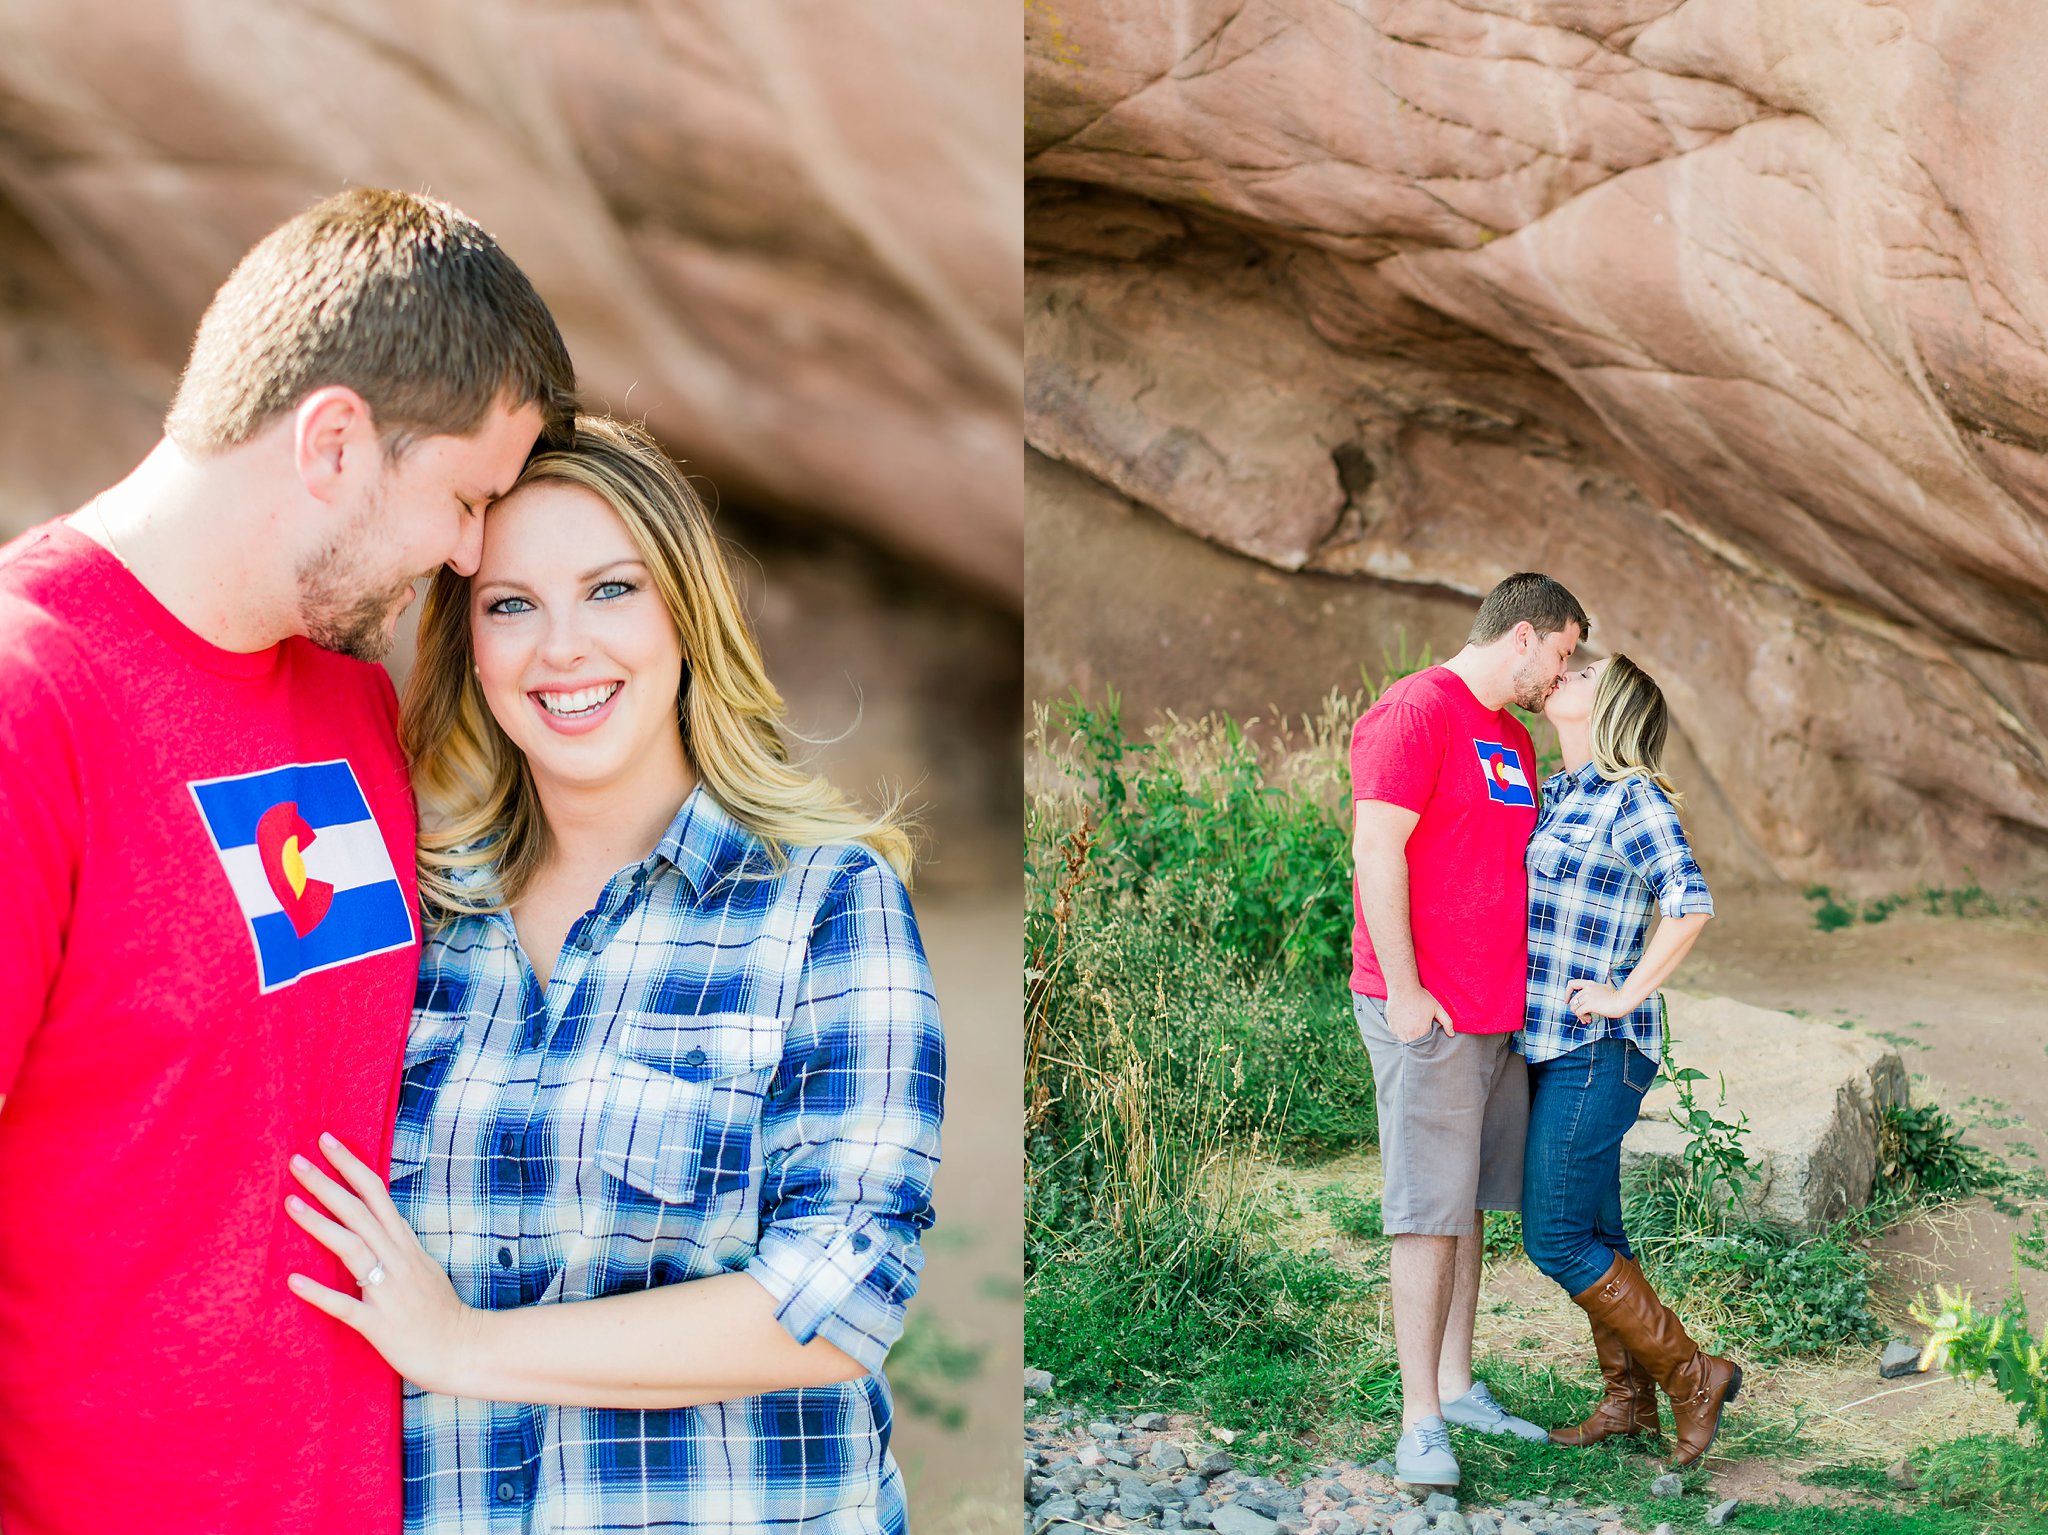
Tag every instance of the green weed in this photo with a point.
(1921, 1152)
(1832, 914)
(929, 1364)
(1996, 1345)
(1174, 814)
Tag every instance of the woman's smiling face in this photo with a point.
(1571, 702)
(575, 651)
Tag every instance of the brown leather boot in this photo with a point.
(1698, 1383)
(1630, 1406)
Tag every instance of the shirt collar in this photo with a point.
(704, 843)
(1585, 777)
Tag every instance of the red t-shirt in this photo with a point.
(1469, 772)
(207, 958)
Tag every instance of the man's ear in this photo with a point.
(1525, 637)
(334, 441)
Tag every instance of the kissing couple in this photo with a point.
(1504, 980)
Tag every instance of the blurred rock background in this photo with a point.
(787, 236)
(1732, 314)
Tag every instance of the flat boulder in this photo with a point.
(1813, 1094)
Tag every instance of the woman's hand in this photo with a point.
(1590, 999)
(408, 1310)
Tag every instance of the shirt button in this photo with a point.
(508, 1145)
(507, 1491)
(694, 1058)
(861, 1242)
(504, 1257)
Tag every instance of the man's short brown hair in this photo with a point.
(403, 299)
(1529, 598)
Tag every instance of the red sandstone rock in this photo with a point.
(1731, 313)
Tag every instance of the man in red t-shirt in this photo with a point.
(210, 935)
(1444, 780)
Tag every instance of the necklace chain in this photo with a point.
(99, 516)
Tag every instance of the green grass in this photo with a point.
(1274, 1340)
(1987, 1473)
(1354, 1215)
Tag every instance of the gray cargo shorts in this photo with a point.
(1454, 1113)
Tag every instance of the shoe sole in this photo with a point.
(1734, 1390)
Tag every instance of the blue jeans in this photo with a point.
(1580, 1106)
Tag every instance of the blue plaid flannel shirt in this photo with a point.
(1600, 855)
(730, 1070)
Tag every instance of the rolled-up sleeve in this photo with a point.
(851, 1125)
(1650, 840)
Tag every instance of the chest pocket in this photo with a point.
(1560, 851)
(430, 1046)
(682, 1111)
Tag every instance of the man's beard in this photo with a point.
(338, 614)
(359, 628)
(1532, 685)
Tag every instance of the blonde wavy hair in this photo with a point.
(483, 835)
(1630, 725)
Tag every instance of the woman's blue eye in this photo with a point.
(607, 590)
(508, 605)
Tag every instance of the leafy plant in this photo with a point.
(1714, 1157)
(1997, 1345)
(1164, 821)
(1830, 916)
(1778, 1292)
(1502, 1234)
(1920, 1151)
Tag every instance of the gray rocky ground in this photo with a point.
(1155, 1472)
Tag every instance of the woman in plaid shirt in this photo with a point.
(671, 1102)
(1608, 847)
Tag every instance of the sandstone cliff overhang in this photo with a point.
(1733, 314)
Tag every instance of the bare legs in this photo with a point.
(1435, 1285)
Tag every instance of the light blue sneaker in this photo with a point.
(1423, 1457)
(1478, 1411)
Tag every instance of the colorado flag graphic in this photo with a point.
(308, 867)
(1506, 783)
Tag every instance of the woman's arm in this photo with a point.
(678, 1345)
(1667, 948)
(850, 1138)
(1649, 839)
